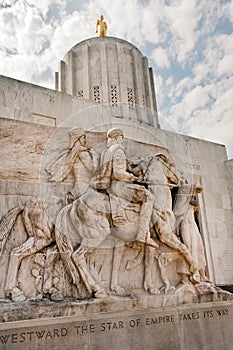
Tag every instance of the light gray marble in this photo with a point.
(127, 224)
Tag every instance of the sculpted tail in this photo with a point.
(6, 226)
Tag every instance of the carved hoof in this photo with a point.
(57, 296)
(154, 291)
(119, 291)
(39, 297)
(129, 244)
(101, 294)
(17, 295)
(195, 278)
(145, 286)
(169, 290)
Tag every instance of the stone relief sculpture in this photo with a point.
(97, 214)
(186, 204)
(78, 160)
(124, 206)
(40, 234)
(113, 177)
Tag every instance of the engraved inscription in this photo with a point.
(83, 329)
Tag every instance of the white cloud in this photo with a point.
(153, 27)
(196, 116)
(225, 66)
(225, 42)
(179, 35)
(185, 84)
(25, 39)
(193, 100)
(160, 58)
(64, 38)
(215, 123)
(183, 18)
(229, 10)
(159, 87)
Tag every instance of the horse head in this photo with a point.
(157, 170)
(169, 169)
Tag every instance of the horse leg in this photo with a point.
(117, 255)
(79, 259)
(16, 256)
(143, 235)
(131, 264)
(149, 262)
(163, 227)
(11, 283)
(31, 246)
(173, 242)
(163, 262)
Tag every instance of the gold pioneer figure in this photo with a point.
(101, 27)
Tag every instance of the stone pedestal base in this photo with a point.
(206, 326)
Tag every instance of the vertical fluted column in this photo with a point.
(56, 81)
(62, 76)
(104, 72)
(86, 72)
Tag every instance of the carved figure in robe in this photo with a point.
(113, 176)
(185, 205)
(78, 160)
(39, 229)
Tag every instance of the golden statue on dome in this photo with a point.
(101, 27)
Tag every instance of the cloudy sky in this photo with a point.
(189, 44)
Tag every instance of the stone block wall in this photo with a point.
(30, 147)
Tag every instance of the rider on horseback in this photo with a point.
(113, 176)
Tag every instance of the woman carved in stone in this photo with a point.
(186, 203)
(78, 160)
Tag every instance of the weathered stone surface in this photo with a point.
(34, 146)
(229, 166)
(35, 104)
(118, 76)
(73, 244)
(207, 326)
(139, 301)
(103, 241)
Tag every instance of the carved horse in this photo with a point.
(163, 221)
(159, 175)
(83, 225)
